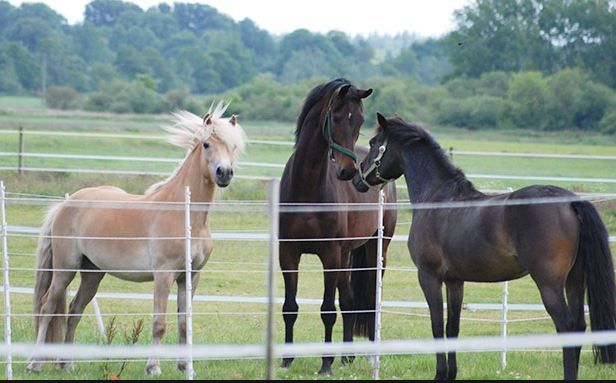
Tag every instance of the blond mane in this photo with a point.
(188, 130)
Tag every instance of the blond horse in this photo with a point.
(103, 229)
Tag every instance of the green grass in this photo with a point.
(238, 267)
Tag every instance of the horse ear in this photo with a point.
(382, 120)
(233, 120)
(207, 119)
(363, 93)
(344, 90)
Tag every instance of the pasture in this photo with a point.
(237, 268)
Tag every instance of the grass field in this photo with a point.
(237, 268)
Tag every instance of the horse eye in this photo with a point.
(206, 145)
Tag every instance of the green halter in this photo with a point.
(328, 131)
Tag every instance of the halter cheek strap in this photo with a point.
(375, 167)
(327, 128)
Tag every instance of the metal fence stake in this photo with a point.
(7, 285)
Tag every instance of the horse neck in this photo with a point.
(189, 174)
(310, 163)
(424, 174)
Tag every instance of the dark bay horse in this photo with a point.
(317, 172)
(562, 244)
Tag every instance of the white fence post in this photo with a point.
(376, 368)
(504, 323)
(7, 285)
(190, 373)
(271, 290)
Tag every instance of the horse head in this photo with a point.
(381, 165)
(219, 148)
(342, 118)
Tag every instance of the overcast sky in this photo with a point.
(422, 17)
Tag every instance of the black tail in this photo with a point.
(363, 284)
(595, 252)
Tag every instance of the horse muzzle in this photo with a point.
(346, 173)
(223, 176)
(359, 184)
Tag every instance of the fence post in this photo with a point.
(504, 324)
(190, 373)
(376, 368)
(7, 285)
(274, 197)
(20, 155)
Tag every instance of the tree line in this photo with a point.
(540, 64)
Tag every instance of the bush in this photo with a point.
(576, 101)
(127, 97)
(62, 97)
(608, 122)
(528, 96)
(473, 112)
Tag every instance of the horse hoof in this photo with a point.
(347, 359)
(286, 362)
(34, 366)
(67, 366)
(326, 371)
(182, 365)
(153, 370)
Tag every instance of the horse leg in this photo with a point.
(54, 303)
(554, 302)
(181, 363)
(575, 300)
(87, 290)
(162, 286)
(331, 263)
(455, 295)
(289, 264)
(346, 306)
(431, 286)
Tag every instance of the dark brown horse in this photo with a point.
(562, 244)
(317, 172)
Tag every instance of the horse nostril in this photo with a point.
(230, 173)
(219, 171)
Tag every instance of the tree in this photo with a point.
(529, 97)
(105, 13)
(495, 35)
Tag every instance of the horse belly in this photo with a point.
(130, 263)
(482, 262)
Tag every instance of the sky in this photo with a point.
(424, 18)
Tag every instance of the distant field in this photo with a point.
(237, 268)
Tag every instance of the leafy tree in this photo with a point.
(105, 13)
(529, 97)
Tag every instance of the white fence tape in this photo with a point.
(291, 143)
(217, 352)
(250, 164)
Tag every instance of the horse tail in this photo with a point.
(594, 251)
(363, 285)
(44, 265)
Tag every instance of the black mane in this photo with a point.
(407, 133)
(316, 95)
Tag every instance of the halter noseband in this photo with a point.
(327, 128)
(375, 167)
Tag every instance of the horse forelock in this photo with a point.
(318, 95)
(189, 130)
